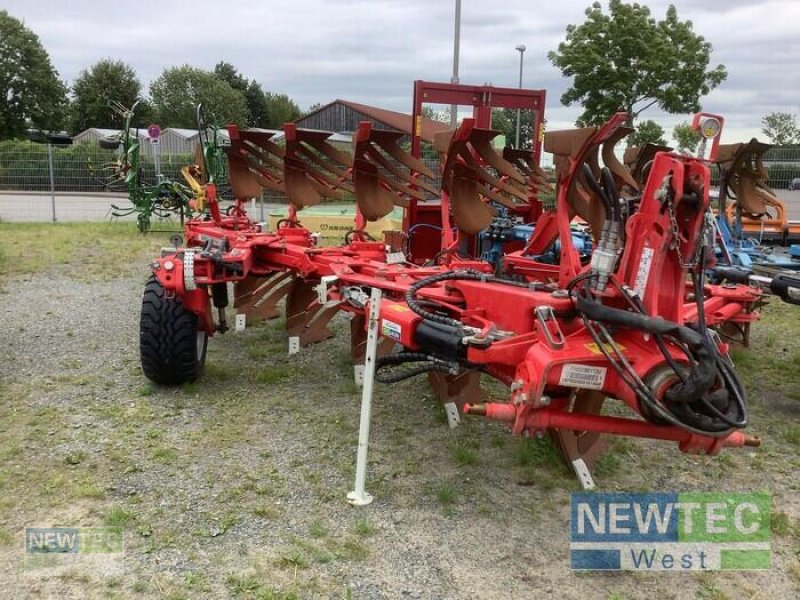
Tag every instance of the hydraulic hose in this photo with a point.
(457, 275)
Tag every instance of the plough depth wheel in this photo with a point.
(172, 348)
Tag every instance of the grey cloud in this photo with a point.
(372, 50)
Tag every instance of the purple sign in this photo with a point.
(154, 131)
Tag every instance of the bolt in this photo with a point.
(544, 401)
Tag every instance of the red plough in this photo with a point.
(633, 325)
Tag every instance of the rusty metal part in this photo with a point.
(523, 161)
(587, 445)
(470, 213)
(253, 162)
(358, 340)
(747, 177)
(566, 147)
(461, 389)
(610, 160)
(313, 167)
(636, 159)
(258, 298)
(382, 173)
(474, 170)
(306, 318)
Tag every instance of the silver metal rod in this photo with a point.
(52, 180)
(454, 78)
(358, 496)
(521, 50)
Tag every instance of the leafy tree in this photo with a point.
(176, 93)
(686, 137)
(281, 109)
(95, 88)
(504, 120)
(30, 91)
(626, 60)
(781, 128)
(648, 132)
(257, 109)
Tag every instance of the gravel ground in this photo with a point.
(235, 486)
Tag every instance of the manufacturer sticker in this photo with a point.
(644, 270)
(391, 330)
(395, 258)
(583, 376)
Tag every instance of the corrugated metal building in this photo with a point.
(343, 116)
(174, 141)
(93, 135)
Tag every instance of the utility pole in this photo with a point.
(521, 49)
(454, 78)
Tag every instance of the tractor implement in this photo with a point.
(632, 325)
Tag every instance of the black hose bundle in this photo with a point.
(429, 363)
(691, 403)
(457, 275)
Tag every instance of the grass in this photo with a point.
(88, 251)
(117, 516)
(446, 494)
(364, 527)
(465, 456)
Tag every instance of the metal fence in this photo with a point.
(86, 168)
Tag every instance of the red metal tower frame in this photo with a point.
(483, 98)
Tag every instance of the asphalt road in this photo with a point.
(28, 207)
(21, 207)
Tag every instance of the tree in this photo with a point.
(257, 110)
(626, 60)
(504, 120)
(178, 90)
(781, 128)
(648, 132)
(686, 137)
(30, 91)
(281, 109)
(95, 89)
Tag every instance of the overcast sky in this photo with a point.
(371, 51)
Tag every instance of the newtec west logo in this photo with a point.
(670, 532)
(73, 540)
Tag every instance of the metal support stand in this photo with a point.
(52, 180)
(359, 497)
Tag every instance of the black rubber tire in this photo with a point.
(172, 348)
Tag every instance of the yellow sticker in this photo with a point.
(595, 349)
(399, 307)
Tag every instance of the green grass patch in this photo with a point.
(116, 516)
(94, 251)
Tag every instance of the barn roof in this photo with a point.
(395, 120)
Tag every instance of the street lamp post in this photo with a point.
(521, 49)
(454, 78)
